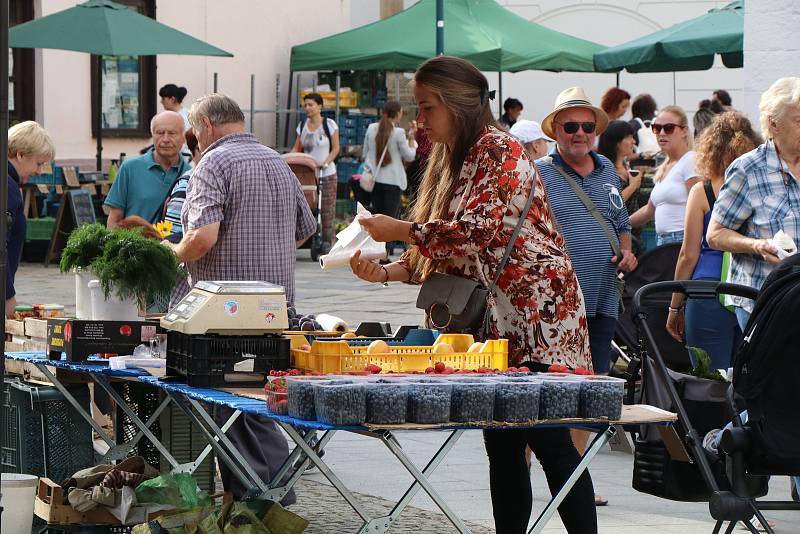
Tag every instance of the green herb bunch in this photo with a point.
(703, 368)
(85, 245)
(133, 266)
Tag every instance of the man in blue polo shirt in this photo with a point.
(574, 124)
(144, 183)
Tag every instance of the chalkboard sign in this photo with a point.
(82, 207)
(76, 209)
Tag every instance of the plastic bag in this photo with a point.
(178, 490)
(348, 240)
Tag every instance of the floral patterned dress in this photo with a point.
(538, 304)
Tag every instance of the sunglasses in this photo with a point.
(572, 127)
(668, 128)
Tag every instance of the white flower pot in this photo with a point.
(111, 308)
(83, 296)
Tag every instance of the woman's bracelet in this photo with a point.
(675, 310)
(386, 272)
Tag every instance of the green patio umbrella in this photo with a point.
(105, 28)
(481, 31)
(690, 45)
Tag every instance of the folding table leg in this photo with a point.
(324, 469)
(601, 439)
(278, 490)
(421, 479)
(121, 450)
(192, 466)
(75, 404)
(219, 442)
(106, 385)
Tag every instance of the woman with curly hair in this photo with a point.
(705, 323)
(615, 103)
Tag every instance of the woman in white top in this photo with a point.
(172, 100)
(386, 149)
(673, 179)
(321, 141)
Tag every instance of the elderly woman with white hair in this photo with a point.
(761, 195)
(29, 147)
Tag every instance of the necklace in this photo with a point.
(784, 174)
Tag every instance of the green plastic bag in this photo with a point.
(178, 490)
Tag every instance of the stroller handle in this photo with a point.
(696, 289)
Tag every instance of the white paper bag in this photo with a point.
(351, 239)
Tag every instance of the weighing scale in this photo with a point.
(230, 308)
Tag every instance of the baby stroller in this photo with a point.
(676, 465)
(305, 168)
(655, 265)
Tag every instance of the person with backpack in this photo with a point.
(705, 323)
(644, 110)
(319, 137)
(760, 195)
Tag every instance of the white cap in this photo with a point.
(528, 131)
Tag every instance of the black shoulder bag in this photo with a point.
(457, 304)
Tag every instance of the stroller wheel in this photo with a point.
(325, 248)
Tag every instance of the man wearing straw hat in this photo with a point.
(584, 191)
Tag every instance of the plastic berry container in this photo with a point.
(601, 397)
(472, 401)
(516, 399)
(300, 396)
(559, 397)
(338, 403)
(429, 401)
(387, 401)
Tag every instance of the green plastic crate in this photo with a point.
(44, 434)
(40, 229)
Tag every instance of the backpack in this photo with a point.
(766, 371)
(647, 141)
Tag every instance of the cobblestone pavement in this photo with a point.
(327, 513)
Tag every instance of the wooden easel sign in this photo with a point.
(76, 209)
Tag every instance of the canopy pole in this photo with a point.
(215, 81)
(4, 25)
(99, 117)
(499, 92)
(338, 94)
(618, 79)
(253, 100)
(289, 109)
(674, 91)
(439, 27)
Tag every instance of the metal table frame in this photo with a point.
(302, 434)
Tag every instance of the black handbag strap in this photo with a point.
(517, 230)
(591, 206)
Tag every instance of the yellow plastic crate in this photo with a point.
(347, 99)
(339, 357)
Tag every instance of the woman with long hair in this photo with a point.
(386, 147)
(475, 188)
(673, 179)
(705, 323)
(617, 144)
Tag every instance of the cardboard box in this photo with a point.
(80, 338)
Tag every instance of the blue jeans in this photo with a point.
(712, 328)
(669, 237)
(601, 332)
(742, 316)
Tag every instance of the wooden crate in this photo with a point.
(35, 327)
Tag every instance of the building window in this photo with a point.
(128, 88)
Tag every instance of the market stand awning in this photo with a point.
(690, 45)
(480, 31)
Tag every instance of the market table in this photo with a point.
(251, 400)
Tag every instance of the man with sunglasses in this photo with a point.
(575, 123)
(583, 188)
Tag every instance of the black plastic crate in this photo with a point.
(210, 360)
(44, 434)
(173, 428)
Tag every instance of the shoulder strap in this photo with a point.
(709, 189)
(522, 217)
(302, 125)
(380, 162)
(591, 206)
(327, 131)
